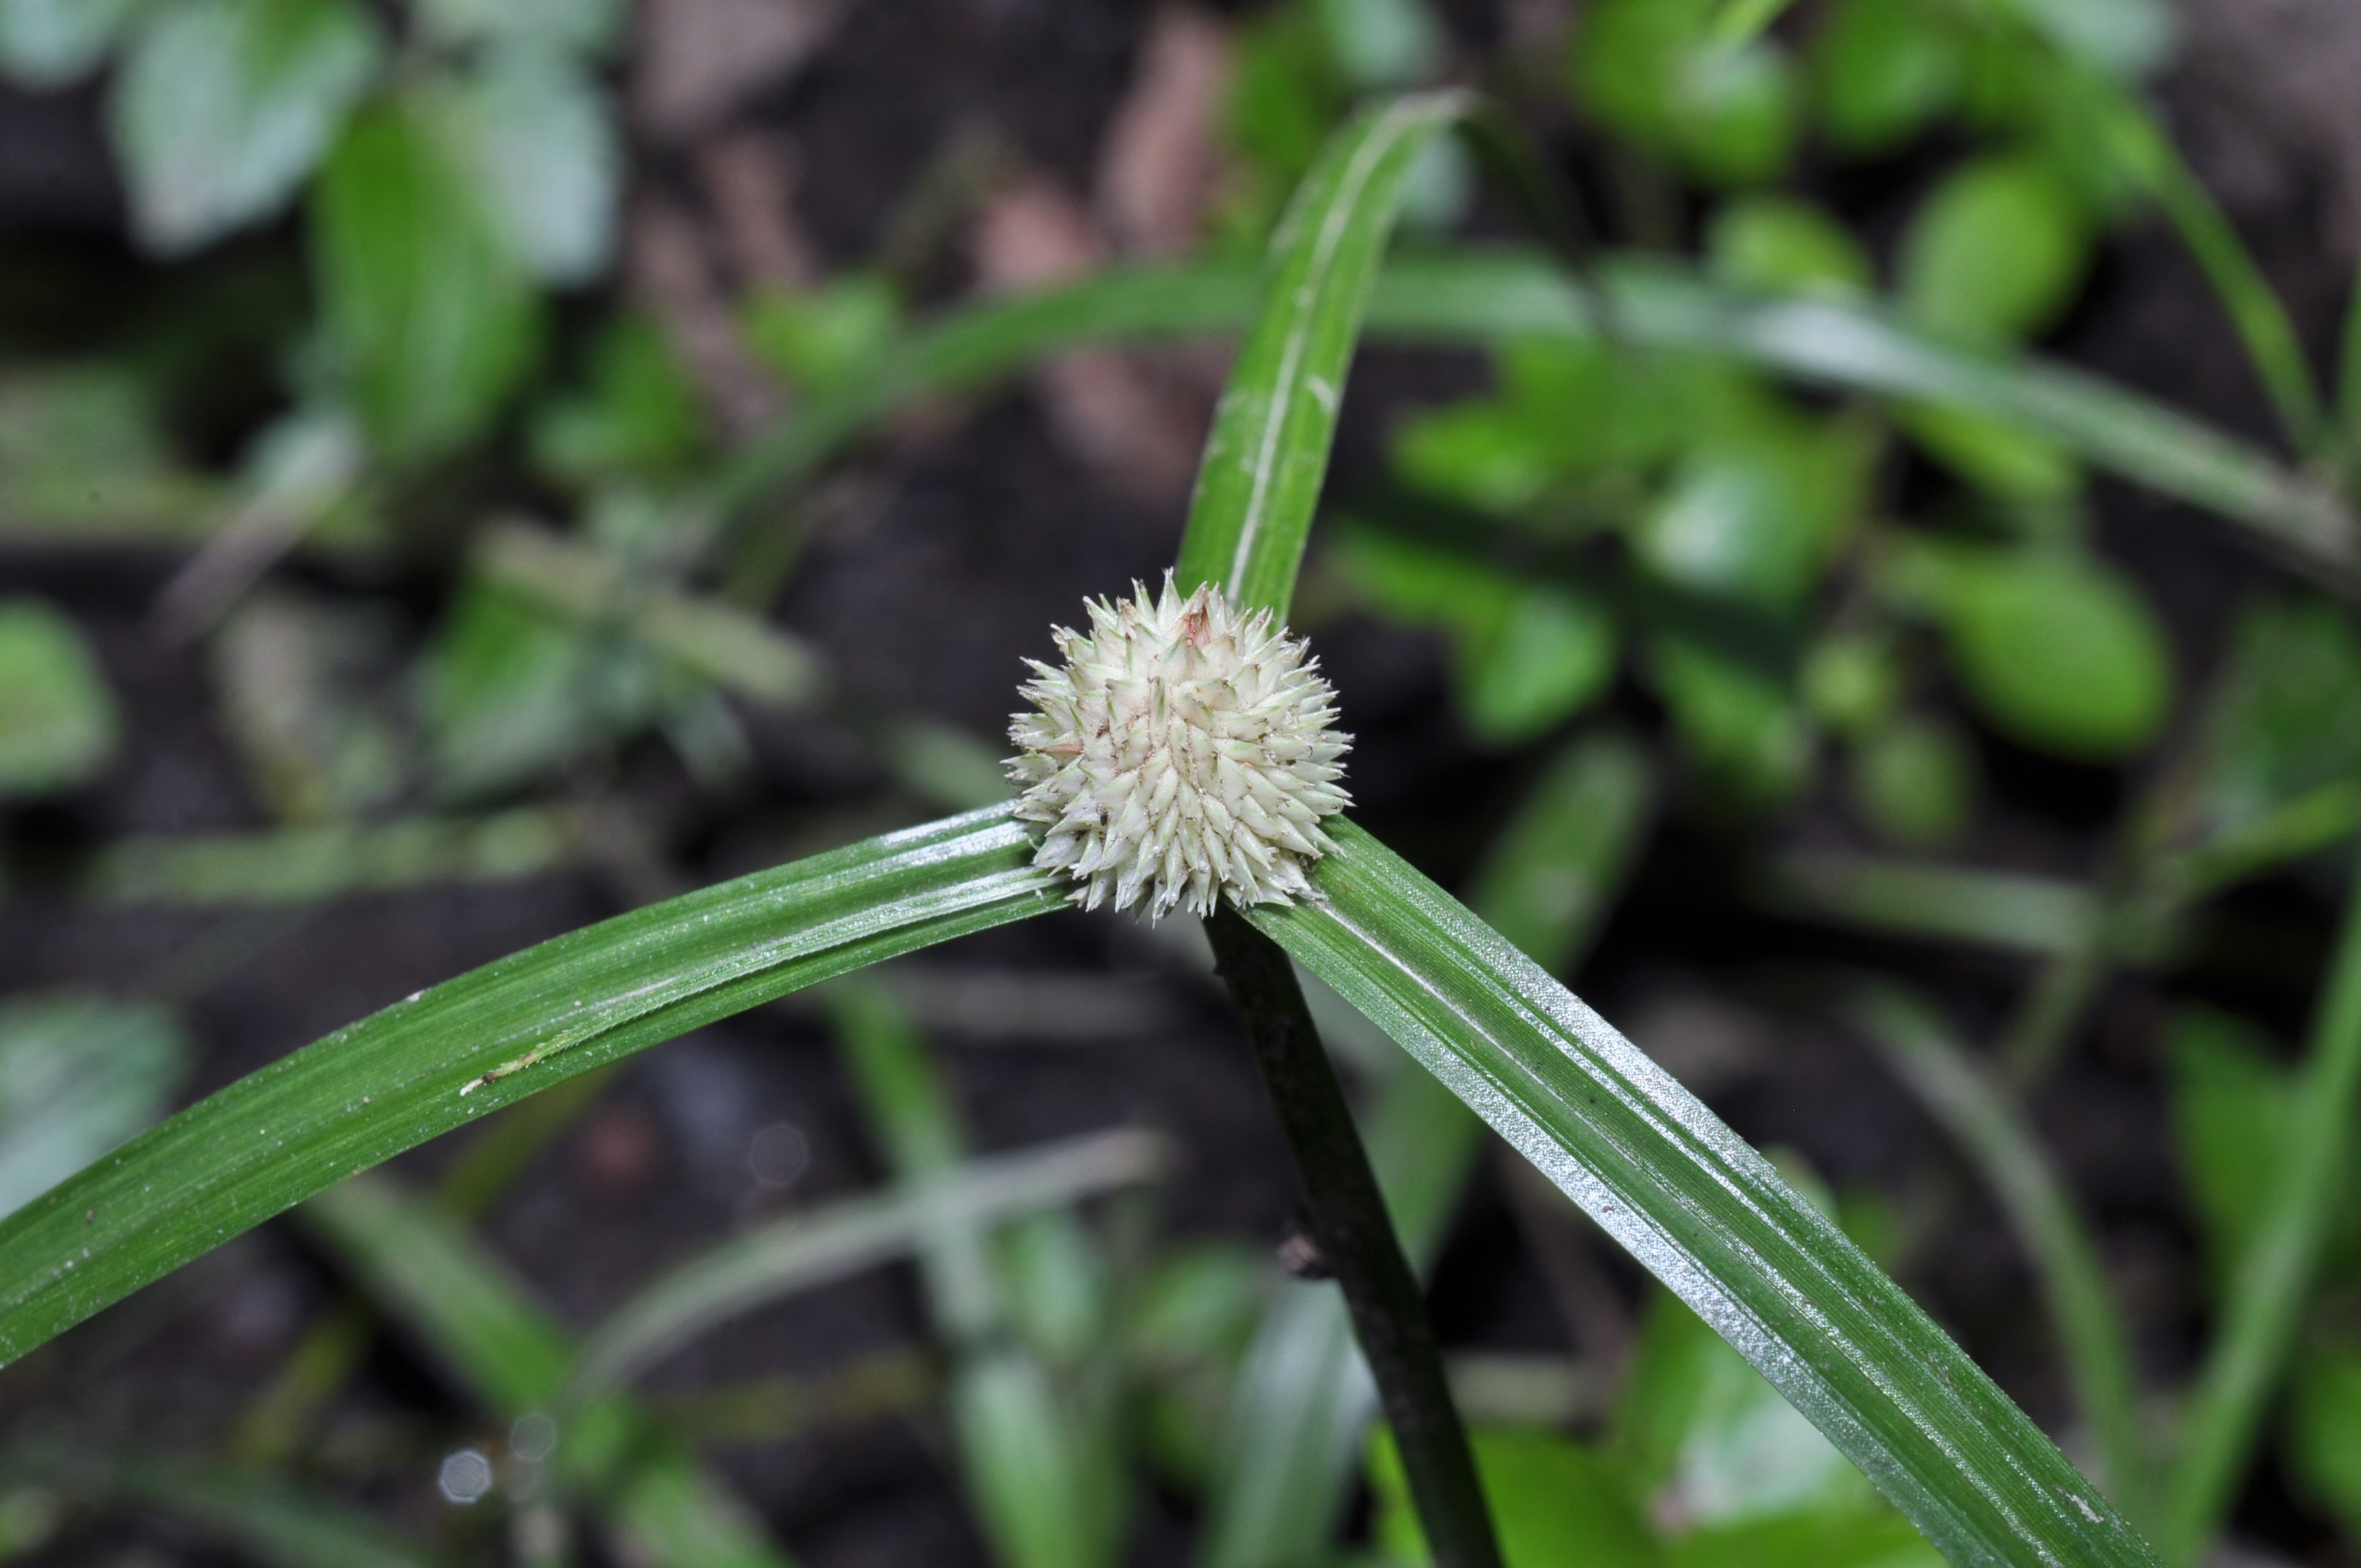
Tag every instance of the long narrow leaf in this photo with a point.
(1041, 1469)
(805, 1251)
(2273, 1279)
(464, 1049)
(272, 1521)
(1269, 450)
(481, 1323)
(1703, 1211)
(1479, 298)
(1992, 1131)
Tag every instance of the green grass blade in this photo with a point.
(1993, 1133)
(2008, 911)
(270, 1521)
(474, 1044)
(807, 1250)
(1703, 1211)
(475, 1320)
(342, 859)
(2144, 152)
(1268, 453)
(739, 652)
(2273, 1283)
(1479, 298)
(1042, 1470)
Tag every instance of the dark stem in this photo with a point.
(1346, 1216)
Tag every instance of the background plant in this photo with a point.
(1796, 592)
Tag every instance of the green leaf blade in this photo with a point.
(224, 105)
(464, 1049)
(1268, 451)
(1703, 1211)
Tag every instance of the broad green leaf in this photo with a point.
(223, 107)
(2233, 1093)
(1995, 252)
(1914, 781)
(1607, 407)
(534, 133)
(1269, 450)
(1739, 720)
(432, 1279)
(48, 43)
(2057, 650)
(812, 1248)
(1485, 453)
(1548, 654)
(57, 720)
(464, 1049)
(1885, 70)
(2264, 1308)
(583, 26)
(1756, 516)
(1853, 680)
(1526, 652)
(1482, 298)
(2287, 718)
(819, 341)
(1378, 44)
(433, 320)
(635, 417)
(1781, 245)
(1842, 1341)
(1555, 1503)
(2323, 1436)
(78, 1075)
(509, 695)
(2125, 38)
(2006, 459)
(1652, 71)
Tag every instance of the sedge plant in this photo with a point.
(1662, 1176)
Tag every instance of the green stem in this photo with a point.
(1356, 1242)
(2274, 1283)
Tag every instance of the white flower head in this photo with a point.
(1184, 752)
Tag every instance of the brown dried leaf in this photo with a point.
(698, 61)
(1158, 166)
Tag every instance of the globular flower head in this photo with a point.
(1183, 753)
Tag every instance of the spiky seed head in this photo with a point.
(1184, 752)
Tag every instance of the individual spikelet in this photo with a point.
(1184, 753)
